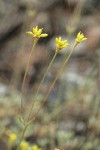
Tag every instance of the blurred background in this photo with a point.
(70, 119)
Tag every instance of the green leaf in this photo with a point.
(21, 119)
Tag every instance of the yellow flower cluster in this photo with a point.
(35, 147)
(24, 145)
(12, 137)
(60, 44)
(37, 33)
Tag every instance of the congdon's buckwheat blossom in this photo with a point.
(37, 33)
(60, 44)
(80, 38)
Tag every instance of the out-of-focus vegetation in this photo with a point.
(70, 118)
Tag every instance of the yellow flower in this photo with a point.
(80, 38)
(35, 147)
(12, 137)
(60, 44)
(24, 145)
(37, 33)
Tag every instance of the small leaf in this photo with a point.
(21, 120)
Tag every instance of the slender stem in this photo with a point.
(52, 85)
(27, 67)
(9, 146)
(23, 133)
(34, 99)
(27, 124)
(60, 71)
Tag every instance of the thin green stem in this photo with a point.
(23, 133)
(34, 99)
(52, 85)
(27, 67)
(27, 124)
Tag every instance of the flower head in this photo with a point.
(37, 33)
(60, 44)
(24, 145)
(12, 137)
(80, 38)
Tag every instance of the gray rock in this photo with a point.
(4, 89)
(10, 19)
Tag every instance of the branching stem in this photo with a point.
(34, 99)
(52, 85)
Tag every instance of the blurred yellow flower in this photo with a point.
(12, 137)
(37, 33)
(24, 145)
(70, 30)
(35, 147)
(60, 44)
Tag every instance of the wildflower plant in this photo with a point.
(60, 44)
(80, 38)
(36, 34)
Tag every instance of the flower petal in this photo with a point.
(30, 33)
(44, 35)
